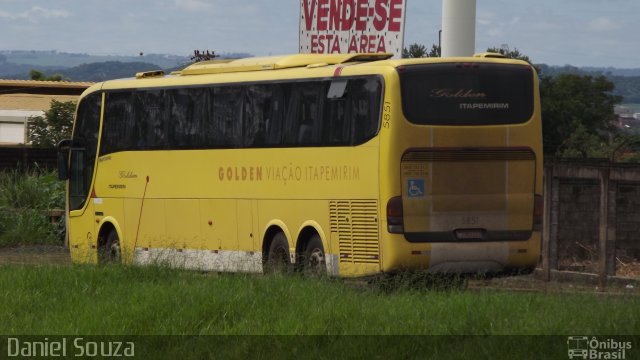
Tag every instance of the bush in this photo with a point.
(27, 227)
(26, 197)
(53, 126)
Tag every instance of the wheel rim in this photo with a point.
(279, 260)
(281, 257)
(316, 259)
(114, 251)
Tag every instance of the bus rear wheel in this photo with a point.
(278, 259)
(313, 258)
(109, 253)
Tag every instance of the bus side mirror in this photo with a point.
(63, 147)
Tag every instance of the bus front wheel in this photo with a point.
(109, 253)
(278, 259)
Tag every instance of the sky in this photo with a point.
(555, 32)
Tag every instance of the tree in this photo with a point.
(573, 106)
(102, 71)
(55, 125)
(577, 111)
(512, 54)
(435, 51)
(415, 51)
(419, 51)
(39, 76)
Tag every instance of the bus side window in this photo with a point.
(275, 116)
(303, 117)
(151, 120)
(295, 113)
(336, 114)
(183, 126)
(291, 123)
(365, 105)
(117, 134)
(201, 118)
(226, 125)
(257, 107)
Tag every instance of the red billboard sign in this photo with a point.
(352, 26)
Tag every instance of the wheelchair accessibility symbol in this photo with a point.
(415, 188)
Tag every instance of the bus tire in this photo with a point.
(314, 259)
(109, 253)
(278, 259)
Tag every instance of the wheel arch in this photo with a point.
(307, 230)
(106, 226)
(271, 229)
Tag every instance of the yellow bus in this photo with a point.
(353, 164)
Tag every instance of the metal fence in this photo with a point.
(26, 157)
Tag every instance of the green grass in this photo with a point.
(22, 227)
(118, 300)
(25, 199)
(162, 301)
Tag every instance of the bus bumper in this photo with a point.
(462, 257)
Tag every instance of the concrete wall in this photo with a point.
(592, 215)
(578, 219)
(628, 220)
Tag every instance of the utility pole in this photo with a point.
(458, 28)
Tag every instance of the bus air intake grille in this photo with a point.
(471, 154)
(355, 223)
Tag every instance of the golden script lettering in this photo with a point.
(457, 94)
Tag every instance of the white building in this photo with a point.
(22, 99)
(13, 125)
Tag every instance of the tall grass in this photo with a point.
(26, 196)
(156, 300)
(292, 316)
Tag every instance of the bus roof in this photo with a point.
(321, 60)
(324, 63)
(277, 62)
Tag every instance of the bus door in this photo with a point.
(82, 160)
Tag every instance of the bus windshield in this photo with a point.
(467, 94)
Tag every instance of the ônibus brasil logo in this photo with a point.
(583, 347)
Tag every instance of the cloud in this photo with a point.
(40, 12)
(603, 24)
(35, 14)
(486, 17)
(192, 5)
(495, 32)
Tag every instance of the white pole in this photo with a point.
(458, 28)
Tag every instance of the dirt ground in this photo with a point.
(625, 267)
(35, 255)
(575, 283)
